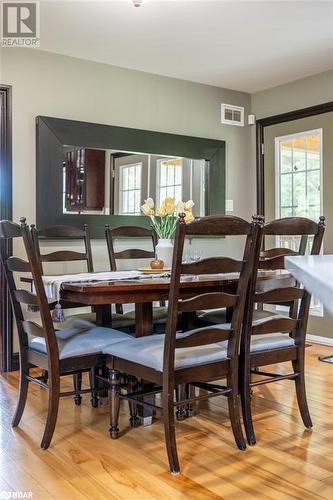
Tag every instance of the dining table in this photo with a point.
(315, 272)
(143, 292)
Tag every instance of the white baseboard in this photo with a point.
(319, 340)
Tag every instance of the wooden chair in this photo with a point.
(60, 353)
(222, 315)
(133, 233)
(280, 337)
(197, 356)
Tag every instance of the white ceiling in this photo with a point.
(242, 45)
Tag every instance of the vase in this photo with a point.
(164, 251)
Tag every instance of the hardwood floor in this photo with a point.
(82, 462)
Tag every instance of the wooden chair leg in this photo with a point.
(52, 413)
(132, 386)
(169, 431)
(77, 381)
(114, 380)
(246, 397)
(23, 393)
(94, 388)
(298, 366)
(234, 412)
(233, 404)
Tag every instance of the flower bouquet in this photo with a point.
(164, 219)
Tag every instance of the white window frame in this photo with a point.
(314, 311)
(158, 177)
(121, 190)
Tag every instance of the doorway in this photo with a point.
(7, 362)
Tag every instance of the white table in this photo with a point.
(315, 272)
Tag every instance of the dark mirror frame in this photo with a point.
(53, 133)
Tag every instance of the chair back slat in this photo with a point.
(212, 300)
(134, 253)
(213, 265)
(291, 226)
(9, 230)
(202, 337)
(231, 226)
(60, 232)
(15, 264)
(26, 297)
(273, 263)
(32, 328)
(276, 252)
(63, 256)
(277, 295)
(274, 325)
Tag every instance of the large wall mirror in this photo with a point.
(97, 174)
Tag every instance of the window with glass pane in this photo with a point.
(299, 175)
(130, 189)
(169, 179)
(299, 184)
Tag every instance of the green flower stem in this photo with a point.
(164, 226)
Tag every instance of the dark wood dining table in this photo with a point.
(143, 292)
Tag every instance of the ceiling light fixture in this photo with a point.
(137, 3)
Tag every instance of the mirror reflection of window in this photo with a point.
(130, 189)
(169, 178)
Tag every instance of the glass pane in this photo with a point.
(286, 212)
(299, 146)
(299, 200)
(163, 194)
(285, 156)
(137, 201)
(286, 199)
(313, 187)
(125, 178)
(178, 176)
(178, 193)
(138, 176)
(131, 177)
(162, 174)
(313, 161)
(131, 201)
(171, 175)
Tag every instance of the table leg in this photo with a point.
(103, 315)
(143, 319)
(143, 327)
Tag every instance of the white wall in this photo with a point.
(60, 86)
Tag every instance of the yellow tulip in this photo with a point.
(161, 212)
(170, 205)
(189, 216)
(188, 205)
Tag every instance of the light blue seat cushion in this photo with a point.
(81, 339)
(271, 341)
(148, 351)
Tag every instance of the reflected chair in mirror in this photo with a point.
(65, 352)
(279, 337)
(198, 356)
(133, 234)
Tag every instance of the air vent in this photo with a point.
(232, 115)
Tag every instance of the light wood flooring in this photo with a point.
(287, 462)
